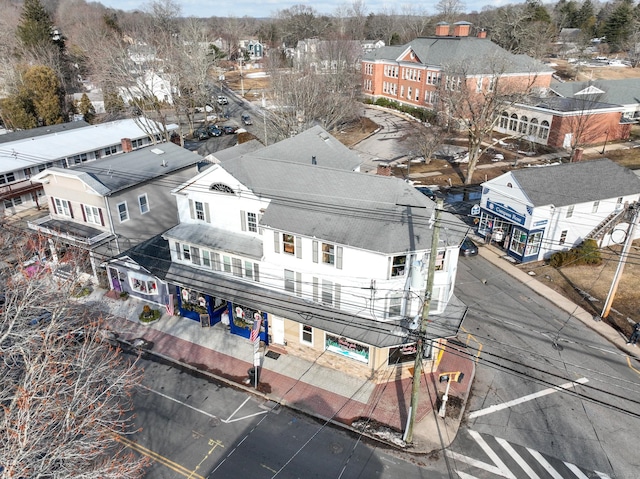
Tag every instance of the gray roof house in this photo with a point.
(109, 205)
(326, 255)
(534, 212)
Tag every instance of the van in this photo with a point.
(246, 119)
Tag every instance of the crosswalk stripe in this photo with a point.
(464, 475)
(474, 462)
(521, 462)
(578, 473)
(602, 475)
(492, 455)
(543, 462)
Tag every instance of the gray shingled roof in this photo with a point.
(567, 105)
(218, 239)
(314, 142)
(575, 183)
(111, 174)
(479, 55)
(618, 92)
(42, 130)
(371, 212)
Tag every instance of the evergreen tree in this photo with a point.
(86, 109)
(618, 26)
(586, 19)
(536, 12)
(35, 28)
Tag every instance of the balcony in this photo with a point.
(75, 233)
(18, 188)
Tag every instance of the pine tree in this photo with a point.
(35, 25)
(86, 109)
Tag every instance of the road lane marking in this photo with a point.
(174, 466)
(237, 409)
(629, 363)
(602, 475)
(464, 475)
(578, 473)
(213, 444)
(516, 457)
(228, 421)
(499, 468)
(268, 468)
(515, 402)
(180, 402)
(543, 462)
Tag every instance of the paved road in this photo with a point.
(386, 145)
(527, 347)
(194, 428)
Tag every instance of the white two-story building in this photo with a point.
(331, 259)
(533, 212)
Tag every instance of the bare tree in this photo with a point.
(324, 91)
(65, 392)
(450, 10)
(473, 103)
(424, 140)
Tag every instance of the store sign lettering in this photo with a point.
(506, 212)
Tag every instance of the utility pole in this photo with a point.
(422, 336)
(621, 262)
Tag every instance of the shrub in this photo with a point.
(148, 315)
(586, 253)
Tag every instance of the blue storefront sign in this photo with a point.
(506, 212)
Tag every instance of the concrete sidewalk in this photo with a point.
(379, 411)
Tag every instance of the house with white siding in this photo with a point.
(329, 258)
(534, 212)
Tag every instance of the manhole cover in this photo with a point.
(336, 448)
(214, 422)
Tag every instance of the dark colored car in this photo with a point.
(41, 318)
(201, 134)
(246, 119)
(428, 192)
(229, 130)
(468, 248)
(214, 131)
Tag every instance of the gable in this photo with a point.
(409, 56)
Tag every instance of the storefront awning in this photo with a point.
(365, 330)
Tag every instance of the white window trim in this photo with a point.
(302, 340)
(146, 203)
(63, 207)
(126, 210)
(92, 213)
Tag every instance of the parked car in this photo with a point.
(246, 119)
(229, 130)
(222, 100)
(428, 192)
(201, 134)
(214, 130)
(468, 247)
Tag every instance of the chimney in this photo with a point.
(461, 29)
(126, 145)
(482, 33)
(384, 169)
(577, 155)
(313, 160)
(442, 29)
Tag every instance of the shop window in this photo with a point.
(398, 266)
(193, 301)
(533, 244)
(402, 354)
(518, 241)
(306, 334)
(143, 286)
(347, 348)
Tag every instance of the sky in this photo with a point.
(268, 8)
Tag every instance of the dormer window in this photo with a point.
(222, 188)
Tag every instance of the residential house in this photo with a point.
(370, 45)
(254, 48)
(328, 258)
(327, 55)
(533, 212)
(109, 205)
(25, 153)
(150, 84)
(411, 74)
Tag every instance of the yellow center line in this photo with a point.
(174, 466)
(629, 363)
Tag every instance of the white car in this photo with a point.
(222, 100)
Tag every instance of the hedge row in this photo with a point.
(586, 253)
(421, 114)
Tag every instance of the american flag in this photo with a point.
(169, 305)
(255, 331)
